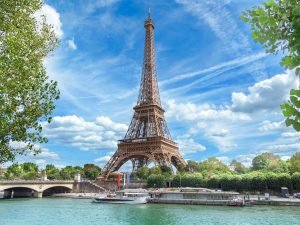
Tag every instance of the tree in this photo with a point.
(91, 171)
(155, 170)
(68, 172)
(156, 181)
(26, 94)
(14, 171)
(143, 172)
(192, 180)
(238, 167)
(52, 172)
(276, 25)
(212, 166)
(269, 162)
(166, 171)
(296, 181)
(192, 166)
(30, 171)
(30, 167)
(295, 163)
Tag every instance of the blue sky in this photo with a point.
(221, 92)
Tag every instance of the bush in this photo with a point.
(156, 181)
(258, 181)
(296, 181)
(284, 180)
(214, 182)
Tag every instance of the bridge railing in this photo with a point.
(36, 181)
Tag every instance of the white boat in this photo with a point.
(127, 196)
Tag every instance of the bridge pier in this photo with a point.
(38, 194)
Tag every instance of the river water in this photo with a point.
(58, 211)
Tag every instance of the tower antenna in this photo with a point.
(149, 13)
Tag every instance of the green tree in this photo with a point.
(14, 171)
(156, 181)
(91, 171)
(166, 171)
(192, 180)
(155, 170)
(52, 172)
(269, 162)
(276, 25)
(238, 167)
(296, 181)
(143, 172)
(212, 166)
(191, 166)
(295, 163)
(68, 172)
(30, 171)
(30, 167)
(26, 94)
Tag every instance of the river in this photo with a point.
(59, 211)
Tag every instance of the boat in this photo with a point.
(127, 196)
(236, 202)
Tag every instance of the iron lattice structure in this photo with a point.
(148, 138)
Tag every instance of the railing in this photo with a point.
(139, 140)
(36, 181)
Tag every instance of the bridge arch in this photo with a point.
(18, 192)
(5, 188)
(57, 189)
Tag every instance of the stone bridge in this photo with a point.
(38, 187)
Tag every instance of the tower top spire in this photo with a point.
(149, 13)
(149, 93)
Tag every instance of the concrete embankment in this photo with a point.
(281, 202)
(79, 195)
(287, 202)
(188, 201)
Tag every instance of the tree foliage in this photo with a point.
(26, 94)
(156, 181)
(295, 163)
(212, 166)
(238, 167)
(269, 162)
(91, 171)
(276, 25)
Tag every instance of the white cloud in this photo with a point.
(204, 112)
(103, 159)
(237, 123)
(52, 18)
(44, 152)
(71, 44)
(266, 95)
(283, 148)
(215, 70)
(188, 145)
(93, 5)
(220, 133)
(267, 126)
(214, 122)
(72, 130)
(293, 134)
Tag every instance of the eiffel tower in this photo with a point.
(148, 138)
